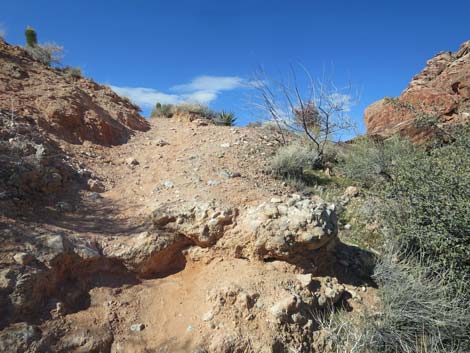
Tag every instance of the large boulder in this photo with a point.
(174, 227)
(291, 228)
(441, 92)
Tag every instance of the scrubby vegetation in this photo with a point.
(48, 53)
(422, 202)
(427, 206)
(371, 162)
(418, 314)
(200, 110)
(73, 72)
(292, 160)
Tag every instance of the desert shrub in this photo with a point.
(162, 110)
(291, 160)
(73, 72)
(226, 118)
(48, 54)
(254, 124)
(416, 305)
(417, 314)
(427, 206)
(168, 110)
(371, 162)
(198, 109)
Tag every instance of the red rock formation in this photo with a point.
(73, 109)
(441, 90)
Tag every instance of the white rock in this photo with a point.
(137, 327)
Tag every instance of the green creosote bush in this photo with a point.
(427, 206)
(371, 162)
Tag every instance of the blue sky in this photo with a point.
(207, 50)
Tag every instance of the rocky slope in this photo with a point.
(74, 109)
(440, 94)
(186, 245)
(175, 241)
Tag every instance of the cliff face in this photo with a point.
(441, 90)
(73, 109)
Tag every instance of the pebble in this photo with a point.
(137, 327)
(168, 184)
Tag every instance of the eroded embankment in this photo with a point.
(240, 281)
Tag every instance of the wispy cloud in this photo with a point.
(345, 101)
(146, 97)
(210, 84)
(202, 89)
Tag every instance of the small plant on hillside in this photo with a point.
(371, 162)
(417, 314)
(291, 160)
(197, 109)
(226, 118)
(48, 53)
(255, 124)
(31, 37)
(162, 110)
(73, 72)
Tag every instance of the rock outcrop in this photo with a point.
(291, 228)
(31, 163)
(440, 94)
(74, 109)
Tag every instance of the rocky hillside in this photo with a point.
(74, 109)
(439, 94)
(179, 242)
(119, 234)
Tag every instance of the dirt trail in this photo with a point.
(218, 296)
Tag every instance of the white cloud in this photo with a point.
(202, 89)
(203, 97)
(146, 97)
(344, 101)
(211, 84)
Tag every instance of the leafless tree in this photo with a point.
(317, 108)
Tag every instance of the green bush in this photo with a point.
(291, 160)
(31, 37)
(417, 314)
(427, 206)
(372, 162)
(73, 72)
